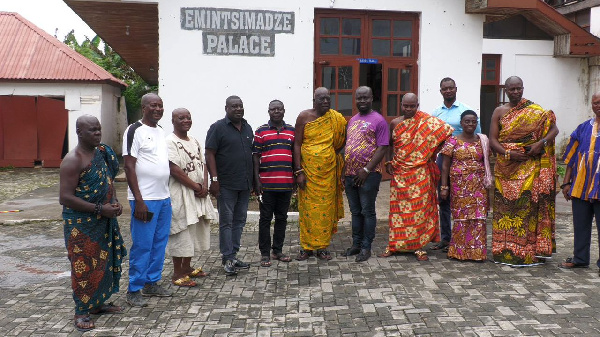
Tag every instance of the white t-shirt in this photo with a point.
(148, 146)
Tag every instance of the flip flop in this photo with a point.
(198, 273)
(265, 261)
(185, 281)
(83, 319)
(109, 308)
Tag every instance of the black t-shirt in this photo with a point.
(233, 152)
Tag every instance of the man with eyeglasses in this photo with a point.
(449, 112)
(273, 181)
(522, 134)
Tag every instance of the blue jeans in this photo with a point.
(583, 214)
(445, 222)
(149, 241)
(233, 208)
(362, 206)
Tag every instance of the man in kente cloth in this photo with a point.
(415, 137)
(90, 208)
(320, 135)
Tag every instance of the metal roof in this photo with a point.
(27, 53)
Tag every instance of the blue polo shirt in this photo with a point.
(233, 155)
(452, 116)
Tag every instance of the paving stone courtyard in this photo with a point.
(397, 296)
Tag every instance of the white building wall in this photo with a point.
(80, 99)
(450, 45)
(559, 84)
(114, 120)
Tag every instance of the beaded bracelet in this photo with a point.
(443, 188)
(296, 173)
(98, 208)
(507, 154)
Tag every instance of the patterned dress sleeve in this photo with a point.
(448, 147)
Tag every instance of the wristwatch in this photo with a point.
(214, 179)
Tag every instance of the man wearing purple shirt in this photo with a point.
(367, 140)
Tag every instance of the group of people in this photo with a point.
(440, 171)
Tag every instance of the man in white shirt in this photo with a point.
(147, 169)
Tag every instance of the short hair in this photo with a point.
(447, 79)
(276, 100)
(466, 113)
(232, 97)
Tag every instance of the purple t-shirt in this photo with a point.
(364, 134)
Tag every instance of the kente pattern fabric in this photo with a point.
(320, 204)
(94, 243)
(468, 199)
(524, 194)
(582, 155)
(414, 215)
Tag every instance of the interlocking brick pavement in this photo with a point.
(397, 296)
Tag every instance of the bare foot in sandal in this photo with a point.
(83, 323)
(421, 255)
(265, 261)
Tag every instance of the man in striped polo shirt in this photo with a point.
(273, 181)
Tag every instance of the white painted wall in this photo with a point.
(595, 20)
(450, 45)
(560, 84)
(98, 100)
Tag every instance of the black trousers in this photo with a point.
(273, 203)
(584, 213)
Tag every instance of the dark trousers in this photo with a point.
(445, 221)
(273, 203)
(233, 209)
(361, 200)
(583, 214)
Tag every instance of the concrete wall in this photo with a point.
(560, 84)
(94, 99)
(450, 45)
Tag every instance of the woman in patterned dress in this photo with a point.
(466, 162)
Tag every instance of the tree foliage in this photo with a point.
(103, 55)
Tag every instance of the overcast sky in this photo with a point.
(53, 16)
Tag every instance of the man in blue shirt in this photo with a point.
(449, 112)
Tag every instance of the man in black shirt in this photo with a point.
(229, 162)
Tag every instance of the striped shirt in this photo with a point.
(583, 156)
(275, 150)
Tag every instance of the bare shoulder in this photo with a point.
(306, 116)
(500, 111)
(395, 122)
(73, 161)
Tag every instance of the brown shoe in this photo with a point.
(303, 255)
(324, 255)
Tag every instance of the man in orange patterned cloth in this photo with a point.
(415, 138)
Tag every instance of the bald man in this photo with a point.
(90, 210)
(415, 138)
(522, 134)
(192, 208)
(147, 170)
(320, 135)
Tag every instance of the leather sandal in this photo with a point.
(303, 255)
(265, 261)
(421, 255)
(109, 308)
(281, 257)
(185, 281)
(80, 321)
(386, 253)
(570, 264)
(324, 255)
(198, 272)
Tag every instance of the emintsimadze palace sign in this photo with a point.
(236, 31)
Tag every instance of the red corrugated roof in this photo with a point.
(29, 53)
